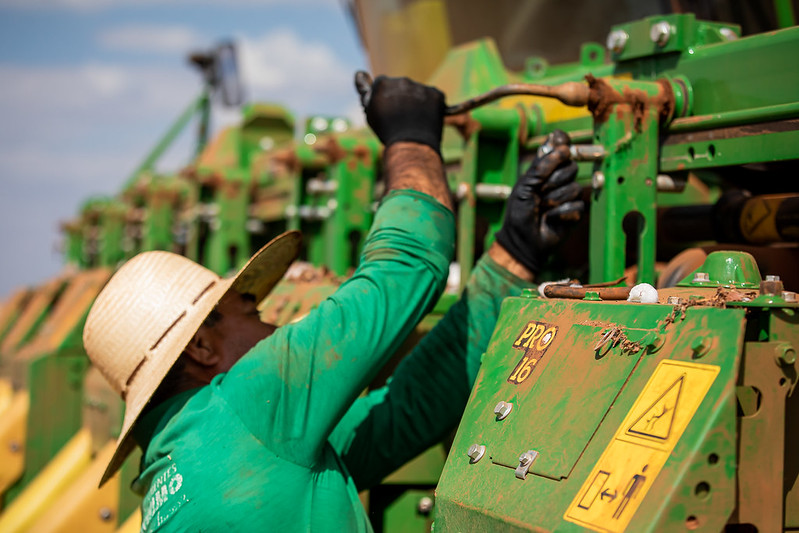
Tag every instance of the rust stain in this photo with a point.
(603, 98)
(464, 123)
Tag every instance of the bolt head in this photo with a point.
(728, 34)
(772, 277)
(660, 32)
(425, 505)
(674, 300)
(701, 277)
(524, 459)
(597, 180)
(106, 514)
(786, 354)
(700, 344)
(502, 410)
(617, 40)
(475, 452)
(789, 296)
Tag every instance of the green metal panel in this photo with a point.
(571, 406)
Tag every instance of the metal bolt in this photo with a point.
(597, 180)
(701, 277)
(525, 461)
(700, 345)
(529, 293)
(502, 410)
(728, 34)
(617, 40)
(785, 354)
(674, 300)
(476, 452)
(106, 514)
(772, 277)
(425, 505)
(660, 33)
(653, 341)
(789, 296)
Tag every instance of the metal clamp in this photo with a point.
(525, 462)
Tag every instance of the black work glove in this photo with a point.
(542, 204)
(399, 109)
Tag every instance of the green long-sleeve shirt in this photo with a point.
(253, 469)
(250, 451)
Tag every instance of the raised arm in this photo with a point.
(294, 387)
(425, 398)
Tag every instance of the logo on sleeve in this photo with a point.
(534, 339)
(163, 499)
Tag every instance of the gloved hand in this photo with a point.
(399, 109)
(542, 204)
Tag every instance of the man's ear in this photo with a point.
(201, 350)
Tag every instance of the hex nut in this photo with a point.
(660, 33)
(476, 452)
(502, 410)
(617, 40)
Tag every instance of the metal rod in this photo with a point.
(738, 117)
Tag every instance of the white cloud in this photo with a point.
(169, 40)
(72, 132)
(307, 77)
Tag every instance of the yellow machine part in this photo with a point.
(59, 473)
(13, 428)
(83, 507)
(132, 524)
(6, 394)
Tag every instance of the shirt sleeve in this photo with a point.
(426, 396)
(292, 388)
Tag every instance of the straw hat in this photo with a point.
(151, 308)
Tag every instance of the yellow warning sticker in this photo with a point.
(629, 465)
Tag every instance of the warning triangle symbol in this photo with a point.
(657, 419)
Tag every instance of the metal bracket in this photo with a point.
(525, 461)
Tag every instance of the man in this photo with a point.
(245, 426)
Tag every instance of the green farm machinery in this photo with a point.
(601, 403)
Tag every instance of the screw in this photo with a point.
(597, 180)
(674, 300)
(502, 410)
(701, 277)
(425, 505)
(785, 354)
(617, 40)
(660, 33)
(106, 514)
(476, 452)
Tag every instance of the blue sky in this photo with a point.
(88, 86)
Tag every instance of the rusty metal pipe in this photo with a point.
(570, 93)
(605, 293)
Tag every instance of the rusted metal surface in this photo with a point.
(570, 93)
(604, 98)
(605, 293)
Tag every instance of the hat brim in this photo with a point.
(258, 277)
